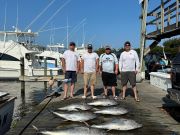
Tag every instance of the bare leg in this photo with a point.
(113, 91)
(124, 91)
(65, 90)
(92, 90)
(72, 89)
(85, 90)
(135, 92)
(105, 90)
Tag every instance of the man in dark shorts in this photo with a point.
(108, 63)
(70, 65)
(128, 67)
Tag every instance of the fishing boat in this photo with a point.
(16, 44)
(6, 111)
(53, 53)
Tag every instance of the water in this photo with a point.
(34, 94)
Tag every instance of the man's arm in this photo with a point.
(137, 62)
(82, 66)
(120, 63)
(97, 64)
(116, 64)
(63, 65)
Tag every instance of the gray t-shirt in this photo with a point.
(108, 61)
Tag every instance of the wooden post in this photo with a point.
(55, 62)
(177, 13)
(45, 72)
(169, 17)
(162, 16)
(143, 33)
(22, 74)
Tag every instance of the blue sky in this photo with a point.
(105, 21)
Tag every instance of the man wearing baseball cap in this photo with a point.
(89, 66)
(108, 63)
(70, 65)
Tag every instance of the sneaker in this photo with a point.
(105, 96)
(115, 97)
(84, 97)
(94, 97)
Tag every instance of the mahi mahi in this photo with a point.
(112, 111)
(103, 102)
(119, 124)
(76, 107)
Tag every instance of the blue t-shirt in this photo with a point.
(108, 61)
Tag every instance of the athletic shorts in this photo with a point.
(90, 78)
(128, 76)
(71, 75)
(109, 79)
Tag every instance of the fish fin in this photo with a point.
(86, 124)
(35, 128)
(78, 109)
(95, 109)
(108, 130)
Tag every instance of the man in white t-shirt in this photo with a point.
(89, 65)
(108, 63)
(70, 65)
(128, 67)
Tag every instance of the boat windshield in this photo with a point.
(21, 37)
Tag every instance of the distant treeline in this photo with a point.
(170, 48)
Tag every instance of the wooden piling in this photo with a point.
(22, 74)
(45, 72)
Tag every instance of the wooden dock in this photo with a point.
(151, 112)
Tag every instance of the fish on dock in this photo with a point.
(73, 131)
(113, 110)
(103, 102)
(119, 124)
(76, 116)
(76, 107)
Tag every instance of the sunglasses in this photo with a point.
(127, 45)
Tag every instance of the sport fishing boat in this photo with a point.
(53, 53)
(6, 111)
(17, 44)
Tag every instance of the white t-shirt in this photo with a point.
(129, 61)
(90, 62)
(71, 59)
(108, 61)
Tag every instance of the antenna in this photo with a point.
(83, 35)
(67, 32)
(5, 16)
(17, 17)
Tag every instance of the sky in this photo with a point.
(100, 22)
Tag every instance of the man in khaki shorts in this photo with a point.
(89, 65)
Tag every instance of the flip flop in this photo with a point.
(123, 98)
(137, 99)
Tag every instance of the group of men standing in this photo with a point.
(107, 65)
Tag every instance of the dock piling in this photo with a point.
(45, 72)
(22, 74)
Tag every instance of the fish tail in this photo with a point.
(35, 128)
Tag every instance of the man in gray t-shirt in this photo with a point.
(108, 63)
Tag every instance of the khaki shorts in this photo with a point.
(90, 78)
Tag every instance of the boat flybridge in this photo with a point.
(53, 53)
(13, 46)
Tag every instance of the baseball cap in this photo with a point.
(107, 47)
(89, 46)
(72, 43)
